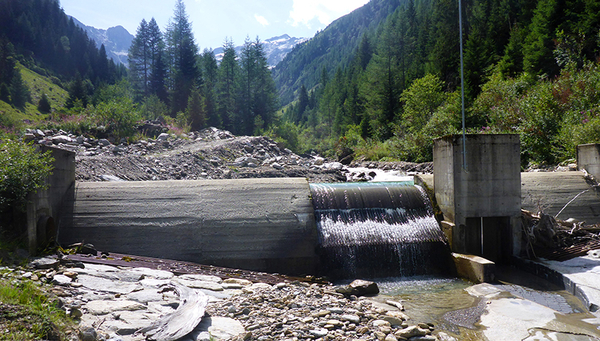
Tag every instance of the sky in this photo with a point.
(213, 21)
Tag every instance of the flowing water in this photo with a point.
(378, 229)
(386, 231)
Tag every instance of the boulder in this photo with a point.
(359, 287)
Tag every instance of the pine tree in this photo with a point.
(181, 54)
(158, 71)
(227, 84)
(44, 104)
(195, 111)
(77, 93)
(19, 93)
(140, 61)
(258, 94)
(210, 71)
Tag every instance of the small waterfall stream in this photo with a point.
(378, 230)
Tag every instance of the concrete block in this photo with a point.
(588, 158)
(474, 268)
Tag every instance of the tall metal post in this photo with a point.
(462, 86)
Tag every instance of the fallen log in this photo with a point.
(183, 320)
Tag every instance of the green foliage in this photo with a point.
(153, 108)
(23, 170)
(32, 315)
(421, 100)
(119, 116)
(44, 104)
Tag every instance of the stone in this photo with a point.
(395, 304)
(319, 161)
(381, 323)
(411, 331)
(220, 328)
(88, 334)
(319, 332)
(351, 318)
(61, 139)
(199, 284)
(162, 137)
(359, 287)
(390, 337)
(397, 314)
(277, 166)
(45, 263)
(145, 296)
(240, 281)
(105, 307)
(153, 273)
(394, 321)
(204, 278)
(153, 283)
(106, 285)
(104, 142)
(61, 280)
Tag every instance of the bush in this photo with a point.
(119, 116)
(23, 170)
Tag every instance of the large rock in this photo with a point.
(359, 287)
(106, 307)
(102, 284)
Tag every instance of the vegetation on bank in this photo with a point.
(27, 313)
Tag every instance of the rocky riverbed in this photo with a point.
(207, 154)
(115, 303)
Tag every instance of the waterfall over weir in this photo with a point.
(378, 230)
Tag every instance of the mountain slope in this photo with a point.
(329, 49)
(116, 40)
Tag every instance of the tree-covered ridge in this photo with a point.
(401, 88)
(48, 40)
(329, 49)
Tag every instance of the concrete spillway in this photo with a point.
(255, 224)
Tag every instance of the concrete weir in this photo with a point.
(254, 224)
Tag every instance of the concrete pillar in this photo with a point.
(588, 158)
(481, 194)
(45, 207)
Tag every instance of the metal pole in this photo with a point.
(462, 86)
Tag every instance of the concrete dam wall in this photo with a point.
(255, 224)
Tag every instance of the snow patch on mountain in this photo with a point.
(276, 48)
(116, 40)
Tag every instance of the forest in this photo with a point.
(378, 84)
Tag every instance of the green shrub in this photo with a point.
(23, 170)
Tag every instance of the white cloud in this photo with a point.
(261, 20)
(325, 11)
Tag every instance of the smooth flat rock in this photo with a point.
(518, 319)
(145, 296)
(202, 278)
(220, 328)
(106, 285)
(153, 273)
(195, 284)
(106, 307)
(154, 283)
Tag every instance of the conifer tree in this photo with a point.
(19, 93)
(227, 84)
(140, 61)
(195, 111)
(210, 70)
(44, 104)
(181, 54)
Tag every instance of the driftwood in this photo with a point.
(183, 320)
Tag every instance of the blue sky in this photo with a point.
(215, 20)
